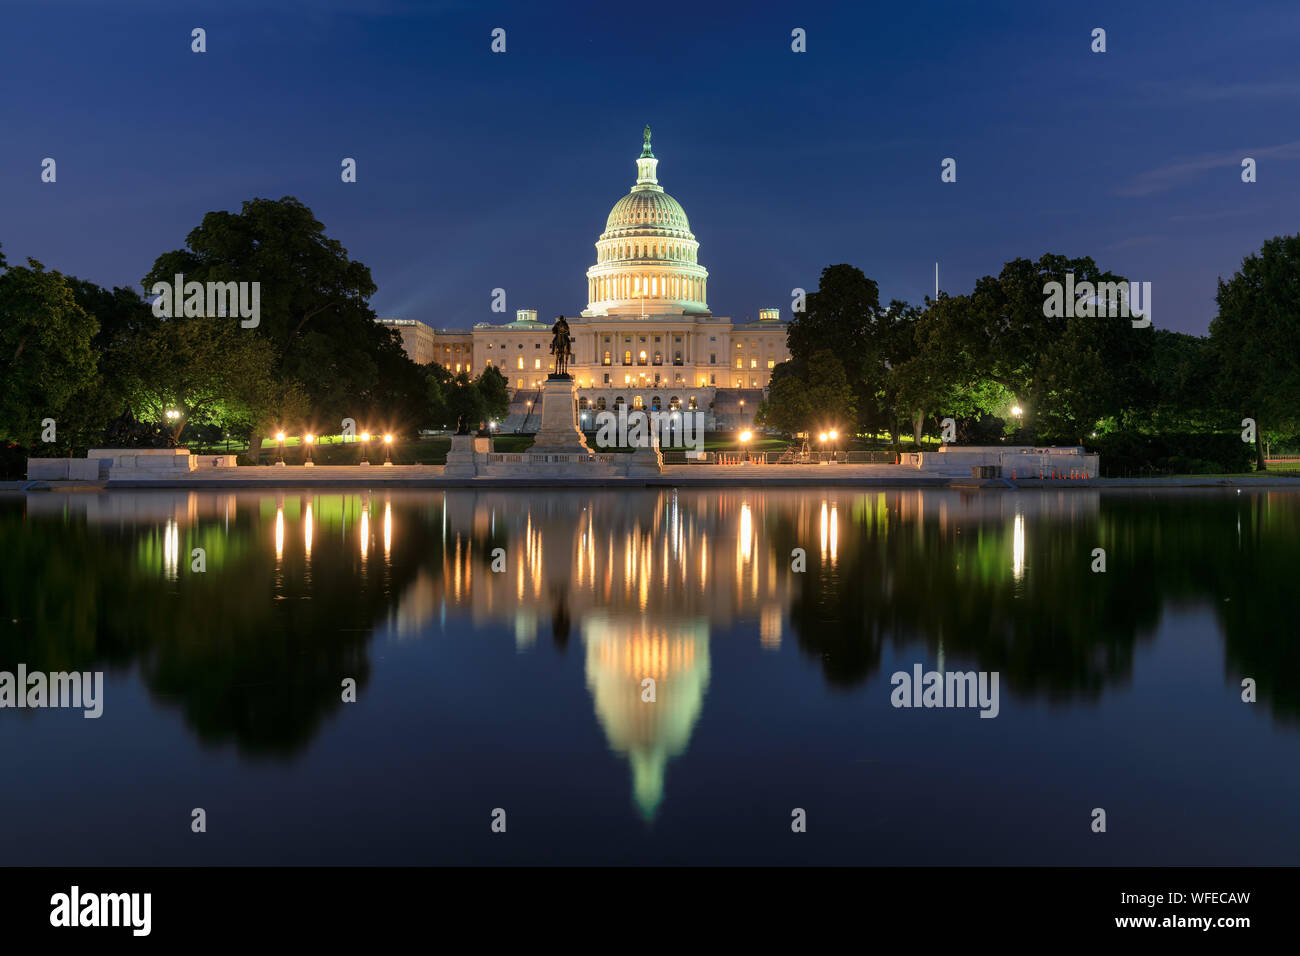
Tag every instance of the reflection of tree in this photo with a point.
(1056, 629)
(252, 652)
(1255, 603)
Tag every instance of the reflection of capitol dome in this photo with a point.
(646, 257)
(620, 654)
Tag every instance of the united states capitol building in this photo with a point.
(646, 339)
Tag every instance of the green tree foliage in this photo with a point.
(210, 372)
(464, 399)
(838, 317)
(46, 352)
(808, 396)
(314, 306)
(495, 390)
(1066, 372)
(480, 400)
(1255, 339)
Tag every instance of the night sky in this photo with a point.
(478, 170)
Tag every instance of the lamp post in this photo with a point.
(365, 448)
(388, 450)
(834, 436)
(307, 441)
(745, 436)
(279, 449)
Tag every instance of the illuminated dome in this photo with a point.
(647, 208)
(646, 257)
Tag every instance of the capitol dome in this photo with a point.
(646, 257)
(647, 208)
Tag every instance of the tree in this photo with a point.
(839, 315)
(844, 316)
(46, 356)
(313, 299)
(1255, 339)
(1066, 372)
(495, 390)
(438, 379)
(464, 399)
(786, 406)
(123, 317)
(205, 372)
(807, 396)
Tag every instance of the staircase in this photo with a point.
(521, 417)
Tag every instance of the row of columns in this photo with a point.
(606, 288)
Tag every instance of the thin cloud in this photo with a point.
(1188, 171)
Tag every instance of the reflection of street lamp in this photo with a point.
(307, 443)
(388, 450)
(365, 448)
(279, 448)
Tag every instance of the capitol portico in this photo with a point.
(646, 338)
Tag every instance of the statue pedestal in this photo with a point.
(645, 462)
(559, 433)
(460, 458)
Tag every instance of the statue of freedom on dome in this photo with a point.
(561, 347)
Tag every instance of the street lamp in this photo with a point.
(388, 450)
(1017, 410)
(365, 448)
(745, 436)
(279, 449)
(307, 441)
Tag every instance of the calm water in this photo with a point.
(522, 689)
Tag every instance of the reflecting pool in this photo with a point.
(652, 676)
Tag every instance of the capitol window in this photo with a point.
(771, 363)
(537, 363)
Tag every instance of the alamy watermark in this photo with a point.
(640, 429)
(57, 689)
(209, 300)
(77, 909)
(1130, 300)
(946, 689)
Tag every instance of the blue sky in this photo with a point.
(479, 170)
